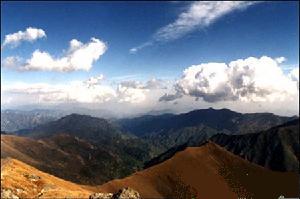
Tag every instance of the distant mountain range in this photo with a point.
(13, 120)
(221, 120)
(161, 132)
(169, 130)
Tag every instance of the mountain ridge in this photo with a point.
(289, 132)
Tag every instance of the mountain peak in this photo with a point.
(79, 116)
(82, 126)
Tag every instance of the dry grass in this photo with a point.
(28, 182)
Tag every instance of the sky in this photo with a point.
(134, 57)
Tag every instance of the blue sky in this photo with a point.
(262, 29)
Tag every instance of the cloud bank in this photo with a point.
(91, 90)
(30, 34)
(246, 85)
(76, 91)
(251, 79)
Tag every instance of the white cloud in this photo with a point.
(251, 79)
(131, 94)
(11, 62)
(294, 74)
(137, 48)
(30, 34)
(131, 84)
(91, 90)
(199, 14)
(131, 91)
(92, 81)
(280, 60)
(76, 91)
(246, 85)
(136, 92)
(133, 50)
(79, 57)
(155, 83)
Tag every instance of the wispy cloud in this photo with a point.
(198, 15)
(30, 34)
(137, 48)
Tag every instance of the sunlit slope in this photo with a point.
(208, 171)
(27, 182)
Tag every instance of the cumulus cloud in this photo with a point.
(131, 84)
(280, 60)
(131, 94)
(294, 74)
(199, 14)
(79, 57)
(136, 92)
(155, 84)
(251, 79)
(30, 34)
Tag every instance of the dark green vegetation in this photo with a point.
(277, 148)
(221, 120)
(168, 130)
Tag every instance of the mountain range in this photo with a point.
(87, 146)
(168, 130)
(276, 148)
(196, 172)
(178, 156)
(12, 120)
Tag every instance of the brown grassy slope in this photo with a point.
(28, 182)
(207, 172)
(46, 154)
(36, 152)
